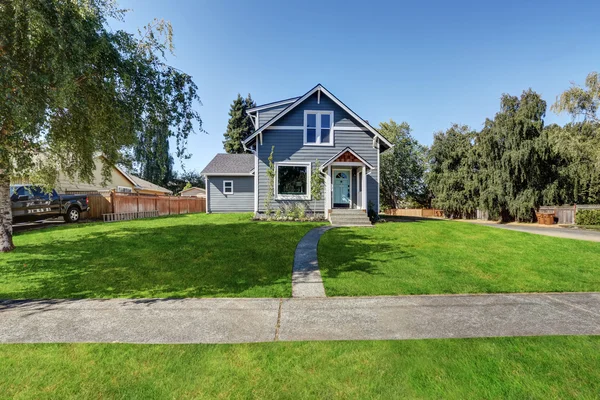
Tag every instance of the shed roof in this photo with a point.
(230, 164)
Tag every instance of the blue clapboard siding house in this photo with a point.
(301, 130)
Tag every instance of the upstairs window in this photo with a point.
(318, 128)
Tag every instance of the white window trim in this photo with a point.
(225, 187)
(318, 128)
(306, 196)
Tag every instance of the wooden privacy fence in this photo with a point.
(165, 205)
(415, 212)
(566, 214)
(139, 206)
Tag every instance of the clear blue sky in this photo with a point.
(425, 62)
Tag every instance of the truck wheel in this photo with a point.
(72, 215)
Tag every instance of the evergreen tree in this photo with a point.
(155, 163)
(452, 177)
(240, 125)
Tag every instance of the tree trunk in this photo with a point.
(6, 232)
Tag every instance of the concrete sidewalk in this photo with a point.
(265, 320)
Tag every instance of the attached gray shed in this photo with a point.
(230, 183)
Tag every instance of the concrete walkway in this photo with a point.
(265, 320)
(566, 233)
(306, 277)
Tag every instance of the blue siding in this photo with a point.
(296, 116)
(289, 147)
(267, 114)
(242, 199)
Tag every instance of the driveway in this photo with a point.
(567, 233)
(265, 320)
(28, 226)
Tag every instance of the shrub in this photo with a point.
(587, 217)
(373, 216)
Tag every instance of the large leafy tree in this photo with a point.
(581, 101)
(402, 167)
(578, 143)
(453, 171)
(576, 147)
(239, 126)
(518, 168)
(72, 87)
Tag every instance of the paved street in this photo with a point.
(265, 320)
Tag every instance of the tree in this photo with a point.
(240, 125)
(180, 180)
(578, 143)
(154, 161)
(518, 168)
(73, 88)
(317, 182)
(271, 182)
(403, 167)
(580, 102)
(452, 177)
(575, 148)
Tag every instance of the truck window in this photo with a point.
(38, 193)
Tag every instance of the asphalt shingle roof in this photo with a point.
(230, 164)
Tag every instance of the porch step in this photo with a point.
(349, 218)
(346, 211)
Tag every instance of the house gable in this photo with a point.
(347, 157)
(317, 99)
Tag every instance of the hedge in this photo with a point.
(588, 217)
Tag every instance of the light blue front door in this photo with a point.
(341, 187)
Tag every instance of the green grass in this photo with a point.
(508, 368)
(434, 257)
(194, 255)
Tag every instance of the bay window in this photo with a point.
(318, 128)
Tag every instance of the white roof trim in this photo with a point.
(332, 159)
(306, 96)
(271, 105)
(230, 174)
(135, 185)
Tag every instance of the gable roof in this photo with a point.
(143, 184)
(230, 164)
(139, 183)
(193, 188)
(347, 149)
(299, 100)
(271, 105)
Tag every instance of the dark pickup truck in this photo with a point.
(31, 203)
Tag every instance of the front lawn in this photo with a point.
(492, 368)
(433, 257)
(194, 255)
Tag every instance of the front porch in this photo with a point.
(346, 182)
